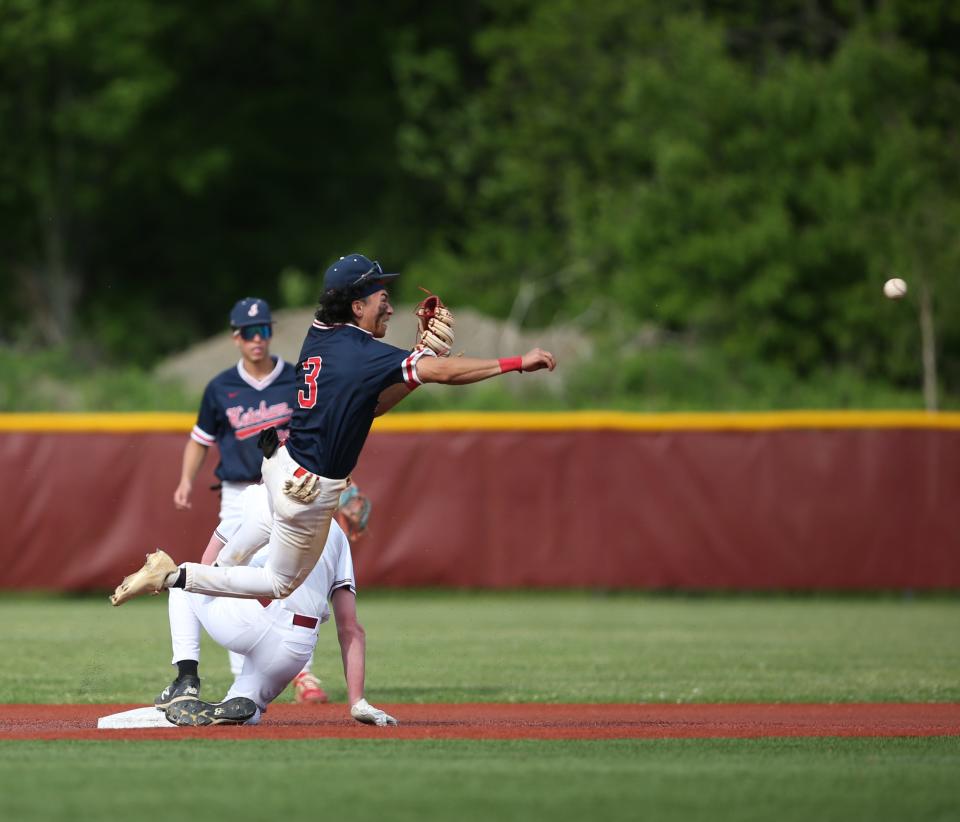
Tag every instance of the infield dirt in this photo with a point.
(519, 721)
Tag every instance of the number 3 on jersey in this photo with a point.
(311, 367)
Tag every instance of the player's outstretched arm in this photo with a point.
(353, 641)
(353, 647)
(466, 370)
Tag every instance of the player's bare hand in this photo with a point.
(181, 497)
(364, 712)
(537, 359)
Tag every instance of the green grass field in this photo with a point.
(546, 647)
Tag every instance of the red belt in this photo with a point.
(298, 619)
(301, 471)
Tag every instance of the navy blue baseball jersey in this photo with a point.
(340, 374)
(235, 408)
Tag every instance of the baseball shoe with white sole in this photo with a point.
(196, 712)
(307, 688)
(185, 687)
(148, 580)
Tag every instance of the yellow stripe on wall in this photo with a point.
(519, 421)
(631, 421)
(98, 423)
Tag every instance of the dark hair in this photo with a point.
(336, 305)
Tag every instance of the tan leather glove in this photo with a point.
(435, 326)
(303, 489)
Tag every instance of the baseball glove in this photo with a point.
(436, 326)
(354, 511)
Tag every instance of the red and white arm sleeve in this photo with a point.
(200, 436)
(409, 367)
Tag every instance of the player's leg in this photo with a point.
(184, 626)
(273, 663)
(307, 686)
(184, 623)
(253, 530)
(185, 641)
(273, 649)
(236, 663)
(297, 538)
(236, 624)
(229, 622)
(299, 532)
(232, 503)
(245, 522)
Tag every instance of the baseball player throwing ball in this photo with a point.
(346, 376)
(275, 637)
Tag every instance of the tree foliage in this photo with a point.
(631, 168)
(78, 77)
(161, 161)
(738, 176)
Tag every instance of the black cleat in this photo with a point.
(195, 712)
(185, 687)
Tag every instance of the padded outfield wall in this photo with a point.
(779, 501)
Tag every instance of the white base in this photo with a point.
(148, 717)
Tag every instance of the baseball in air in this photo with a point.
(895, 288)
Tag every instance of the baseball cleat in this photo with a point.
(148, 580)
(196, 712)
(307, 688)
(187, 687)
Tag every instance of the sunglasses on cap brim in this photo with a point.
(375, 272)
(248, 332)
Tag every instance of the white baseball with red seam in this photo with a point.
(895, 288)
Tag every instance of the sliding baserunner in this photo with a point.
(275, 638)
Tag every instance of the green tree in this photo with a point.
(78, 75)
(631, 168)
(163, 159)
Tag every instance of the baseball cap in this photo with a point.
(250, 311)
(356, 270)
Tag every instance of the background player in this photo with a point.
(275, 637)
(237, 404)
(345, 377)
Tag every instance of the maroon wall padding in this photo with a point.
(85, 508)
(789, 509)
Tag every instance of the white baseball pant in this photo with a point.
(297, 538)
(274, 642)
(231, 507)
(231, 517)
